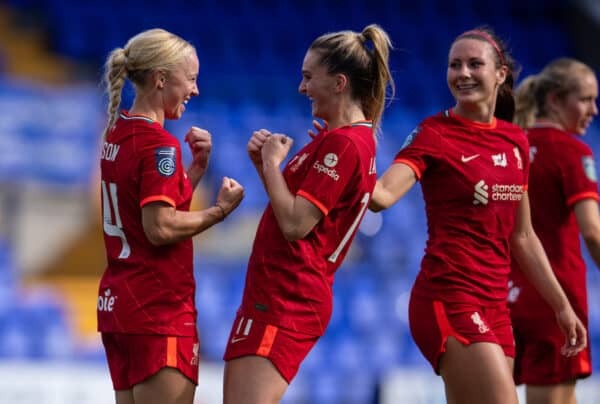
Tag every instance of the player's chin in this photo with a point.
(317, 113)
(314, 110)
(469, 98)
(175, 114)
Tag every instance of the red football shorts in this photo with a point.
(433, 321)
(134, 358)
(286, 349)
(538, 359)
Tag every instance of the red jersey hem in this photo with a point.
(313, 200)
(481, 125)
(157, 198)
(447, 295)
(411, 165)
(584, 195)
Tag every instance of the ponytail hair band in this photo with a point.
(486, 37)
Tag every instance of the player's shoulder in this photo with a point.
(513, 132)
(509, 127)
(441, 122)
(362, 127)
(562, 141)
(356, 134)
(575, 143)
(146, 131)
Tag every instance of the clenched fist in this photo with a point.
(230, 195)
(200, 143)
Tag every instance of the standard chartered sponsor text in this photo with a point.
(507, 192)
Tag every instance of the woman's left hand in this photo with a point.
(200, 143)
(575, 332)
(276, 148)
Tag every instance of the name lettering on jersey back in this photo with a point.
(109, 151)
(498, 193)
(106, 302)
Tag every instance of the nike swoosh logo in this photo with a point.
(467, 159)
(234, 340)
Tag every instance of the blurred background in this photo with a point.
(53, 111)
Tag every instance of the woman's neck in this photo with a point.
(547, 123)
(345, 116)
(475, 112)
(143, 106)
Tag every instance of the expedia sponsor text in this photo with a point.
(329, 171)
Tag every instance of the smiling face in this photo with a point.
(318, 85)
(576, 110)
(473, 76)
(179, 86)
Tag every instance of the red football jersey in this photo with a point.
(473, 176)
(563, 172)
(145, 289)
(289, 284)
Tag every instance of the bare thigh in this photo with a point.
(511, 364)
(168, 386)
(563, 393)
(252, 380)
(477, 374)
(124, 397)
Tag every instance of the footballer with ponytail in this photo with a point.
(473, 165)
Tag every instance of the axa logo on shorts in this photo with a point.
(329, 161)
(477, 320)
(499, 193)
(106, 302)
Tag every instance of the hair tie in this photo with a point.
(366, 43)
(488, 39)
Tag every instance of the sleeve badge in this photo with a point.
(409, 139)
(589, 168)
(165, 160)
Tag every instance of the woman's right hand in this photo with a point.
(318, 128)
(255, 145)
(230, 195)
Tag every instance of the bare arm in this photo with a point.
(588, 220)
(295, 215)
(163, 224)
(391, 186)
(531, 257)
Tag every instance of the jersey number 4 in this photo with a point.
(364, 203)
(114, 229)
